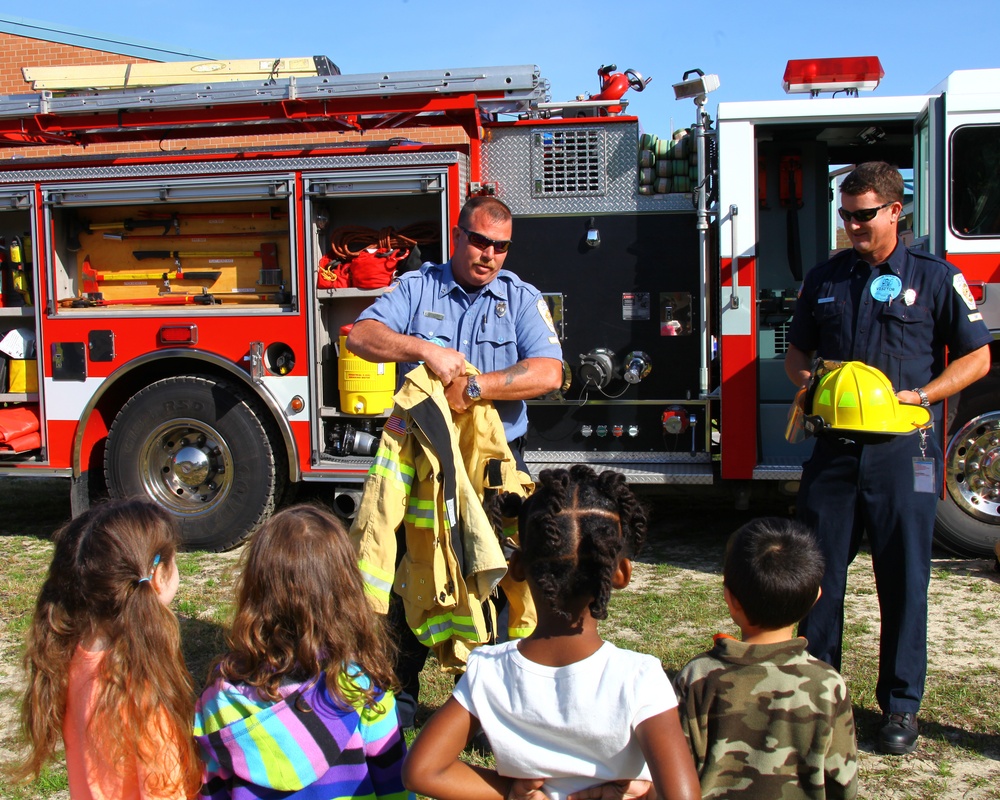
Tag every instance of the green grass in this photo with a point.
(672, 609)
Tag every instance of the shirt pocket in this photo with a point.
(432, 327)
(906, 331)
(496, 343)
(833, 329)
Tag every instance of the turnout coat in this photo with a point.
(430, 474)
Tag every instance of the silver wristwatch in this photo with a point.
(924, 400)
(472, 388)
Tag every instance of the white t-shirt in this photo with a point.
(574, 724)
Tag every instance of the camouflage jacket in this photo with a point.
(768, 721)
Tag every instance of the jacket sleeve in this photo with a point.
(841, 763)
(688, 706)
(383, 505)
(385, 750)
(215, 781)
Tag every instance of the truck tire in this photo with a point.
(197, 447)
(968, 518)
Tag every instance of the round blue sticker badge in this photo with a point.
(886, 288)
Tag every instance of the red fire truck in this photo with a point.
(175, 327)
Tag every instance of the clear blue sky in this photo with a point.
(745, 43)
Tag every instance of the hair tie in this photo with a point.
(149, 577)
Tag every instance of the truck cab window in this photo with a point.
(975, 184)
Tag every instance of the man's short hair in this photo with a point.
(495, 210)
(774, 568)
(874, 176)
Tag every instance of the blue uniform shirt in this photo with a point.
(919, 305)
(505, 322)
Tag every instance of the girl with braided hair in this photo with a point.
(567, 714)
(104, 663)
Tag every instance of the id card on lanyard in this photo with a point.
(923, 469)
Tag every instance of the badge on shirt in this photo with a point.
(964, 291)
(501, 308)
(909, 297)
(886, 288)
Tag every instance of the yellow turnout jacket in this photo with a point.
(430, 474)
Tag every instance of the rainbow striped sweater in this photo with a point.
(308, 746)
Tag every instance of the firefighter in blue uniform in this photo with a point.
(896, 310)
(466, 309)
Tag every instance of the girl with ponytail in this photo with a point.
(104, 665)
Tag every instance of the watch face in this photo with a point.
(472, 389)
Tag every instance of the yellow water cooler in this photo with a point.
(365, 388)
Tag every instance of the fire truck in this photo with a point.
(173, 321)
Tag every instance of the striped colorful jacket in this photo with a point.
(307, 746)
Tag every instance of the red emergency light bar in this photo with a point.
(815, 75)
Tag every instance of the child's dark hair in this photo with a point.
(774, 568)
(574, 530)
(301, 610)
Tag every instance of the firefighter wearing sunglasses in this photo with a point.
(896, 310)
(467, 309)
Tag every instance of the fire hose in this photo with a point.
(349, 241)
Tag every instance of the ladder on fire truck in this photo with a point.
(352, 102)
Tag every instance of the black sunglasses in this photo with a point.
(481, 242)
(862, 214)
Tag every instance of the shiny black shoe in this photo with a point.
(898, 734)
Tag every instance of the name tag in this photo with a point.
(434, 314)
(825, 300)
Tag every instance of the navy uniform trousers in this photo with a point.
(849, 489)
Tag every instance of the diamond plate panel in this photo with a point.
(777, 473)
(186, 169)
(659, 473)
(507, 162)
(616, 458)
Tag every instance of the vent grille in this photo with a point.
(568, 163)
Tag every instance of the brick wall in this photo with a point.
(21, 51)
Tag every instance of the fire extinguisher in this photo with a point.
(19, 280)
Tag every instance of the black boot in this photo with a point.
(898, 734)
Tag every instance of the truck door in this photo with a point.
(957, 215)
(19, 334)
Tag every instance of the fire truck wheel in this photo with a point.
(196, 447)
(968, 518)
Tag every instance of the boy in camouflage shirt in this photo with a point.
(765, 719)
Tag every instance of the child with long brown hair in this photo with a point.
(104, 664)
(302, 704)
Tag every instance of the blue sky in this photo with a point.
(745, 43)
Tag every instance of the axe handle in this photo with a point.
(128, 224)
(144, 254)
(194, 236)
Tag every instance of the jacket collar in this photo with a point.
(496, 287)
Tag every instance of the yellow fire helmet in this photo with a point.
(856, 397)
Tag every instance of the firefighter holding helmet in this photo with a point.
(896, 310)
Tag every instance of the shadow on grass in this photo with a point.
(35, 507)
(201, 642)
